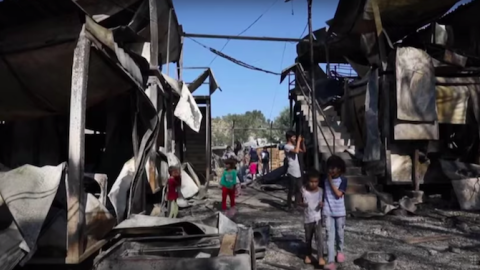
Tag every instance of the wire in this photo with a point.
(245, 30)
(238, 62)
(278, 86)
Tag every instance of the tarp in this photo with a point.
(212, 82)
(415, 86)
(188, 111)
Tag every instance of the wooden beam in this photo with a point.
(76, 150)
(208, 143)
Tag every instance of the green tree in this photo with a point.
(281, 124)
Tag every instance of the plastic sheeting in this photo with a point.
(452, 100)
(415, 86)
(188, 111)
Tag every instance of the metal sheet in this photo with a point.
(452, 103)
(373, 143)
(30, 201)
(415, 130)
(415, 85)
(401, 168)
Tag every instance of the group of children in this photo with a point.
(322, 199)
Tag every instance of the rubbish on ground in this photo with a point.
(377, 261)
(425, 239)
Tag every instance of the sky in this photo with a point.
(245, 89)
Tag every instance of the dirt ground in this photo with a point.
(387, 233)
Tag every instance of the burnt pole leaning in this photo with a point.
(316, 158)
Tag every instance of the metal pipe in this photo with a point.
(278, 39)
(316, 158)
(168, 40)
(195, 67)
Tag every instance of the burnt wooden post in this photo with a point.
(208, 142)
(76, 150)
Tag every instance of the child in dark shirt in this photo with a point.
(173, 186)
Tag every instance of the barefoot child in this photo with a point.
(173, 184)
(334, 212)
(228, 182)
(313, 202)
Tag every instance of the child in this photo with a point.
(173, 184)
(228, 182)
(313, 202)
(334, 212)
(292, 148)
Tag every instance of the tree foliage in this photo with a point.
(248, 126)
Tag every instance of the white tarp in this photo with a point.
(188, 111)
(118, 193)
(28, 192)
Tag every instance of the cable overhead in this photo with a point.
(245, 30)
(238, 62)
(278, 86)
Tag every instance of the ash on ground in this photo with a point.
(458, 249)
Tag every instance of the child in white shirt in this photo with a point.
(313, 203)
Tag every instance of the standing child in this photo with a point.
(228, 182)
(292, 148)
(173, 186)
(313, 202)
(334, 211)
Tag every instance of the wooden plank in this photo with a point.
(433, 238)
(228, 244)
(76, 150)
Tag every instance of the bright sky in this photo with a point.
(245, 89)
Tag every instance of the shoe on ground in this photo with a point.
(330, 266)
(307, 260)
(340, 257)
(321, 262)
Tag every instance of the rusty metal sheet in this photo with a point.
(415, 86)
(452, 102)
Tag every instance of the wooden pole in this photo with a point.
(278, 39)
(76, 198)
(316, 159)
(208, 143)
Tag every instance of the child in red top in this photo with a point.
(173, 186)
